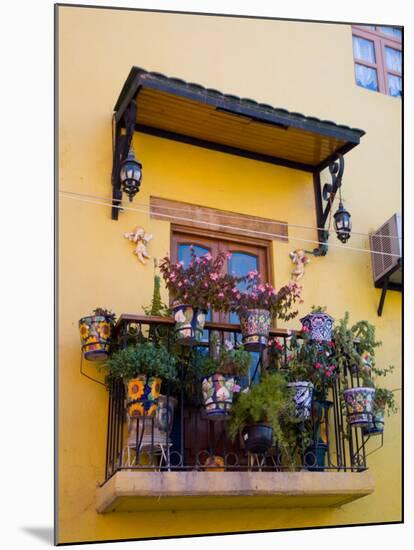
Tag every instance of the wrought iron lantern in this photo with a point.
(131, 175)
(342, 223)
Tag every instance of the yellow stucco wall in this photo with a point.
(302, 67)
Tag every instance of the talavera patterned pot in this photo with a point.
(142, 395)
(95, 334)
(255, 326)
(302, 396)
(320, 326)
(217, 393)
(189, 323)
(359, 406)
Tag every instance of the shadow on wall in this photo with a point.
(42, 533)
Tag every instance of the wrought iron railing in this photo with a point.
(180, 437)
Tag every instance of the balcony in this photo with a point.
(197, 465)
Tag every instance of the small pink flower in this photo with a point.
(305, 329)
(220, 295)
(234, 290)
(318, 366)
(208, 256)
(261, 288)
(236, 388)
(180, 284)
(238, 296)
(214, 276)
(228, 255)
(328, 373)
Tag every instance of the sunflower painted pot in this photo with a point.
(95, 334)
(257, 438)
(189, 323)
(217, 393)
(255, 326)
(142, 395)
(319, 325)
(359, 406)
(302, 397)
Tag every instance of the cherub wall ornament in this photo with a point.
(142, 239)
(300, 259)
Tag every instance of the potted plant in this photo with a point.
(194, 290)
(359, 403)
(355, 347)
(318, 323)
(142, 367)
(220, 373)
(263, 414)
(95, 334)
(258, 304)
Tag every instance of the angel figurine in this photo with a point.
(300, 259)
(142, 239)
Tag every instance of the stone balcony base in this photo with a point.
(130, 491)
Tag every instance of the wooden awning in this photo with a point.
(190, 113)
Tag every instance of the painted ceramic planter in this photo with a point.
(302, 396)
(377, 425)
(319, 325)
(255, 326)
(95, 334)
(142, 395)
(359, 406)
(217, 393)
(214, 464)
(189, 323)
(257, 438)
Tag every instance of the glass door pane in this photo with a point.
(184, 255)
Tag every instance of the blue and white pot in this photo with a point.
(302, 396)
(319, 325)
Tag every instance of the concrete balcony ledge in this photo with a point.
(129, 491)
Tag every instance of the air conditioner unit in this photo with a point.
(386, 256)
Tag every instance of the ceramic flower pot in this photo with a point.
(95, 334)
(217, 393)
(359, 405)
(255, 326)
(142, 395)
(257, 438)
(302, 396)
(189, 323)
(377, 424)
(319, 325)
